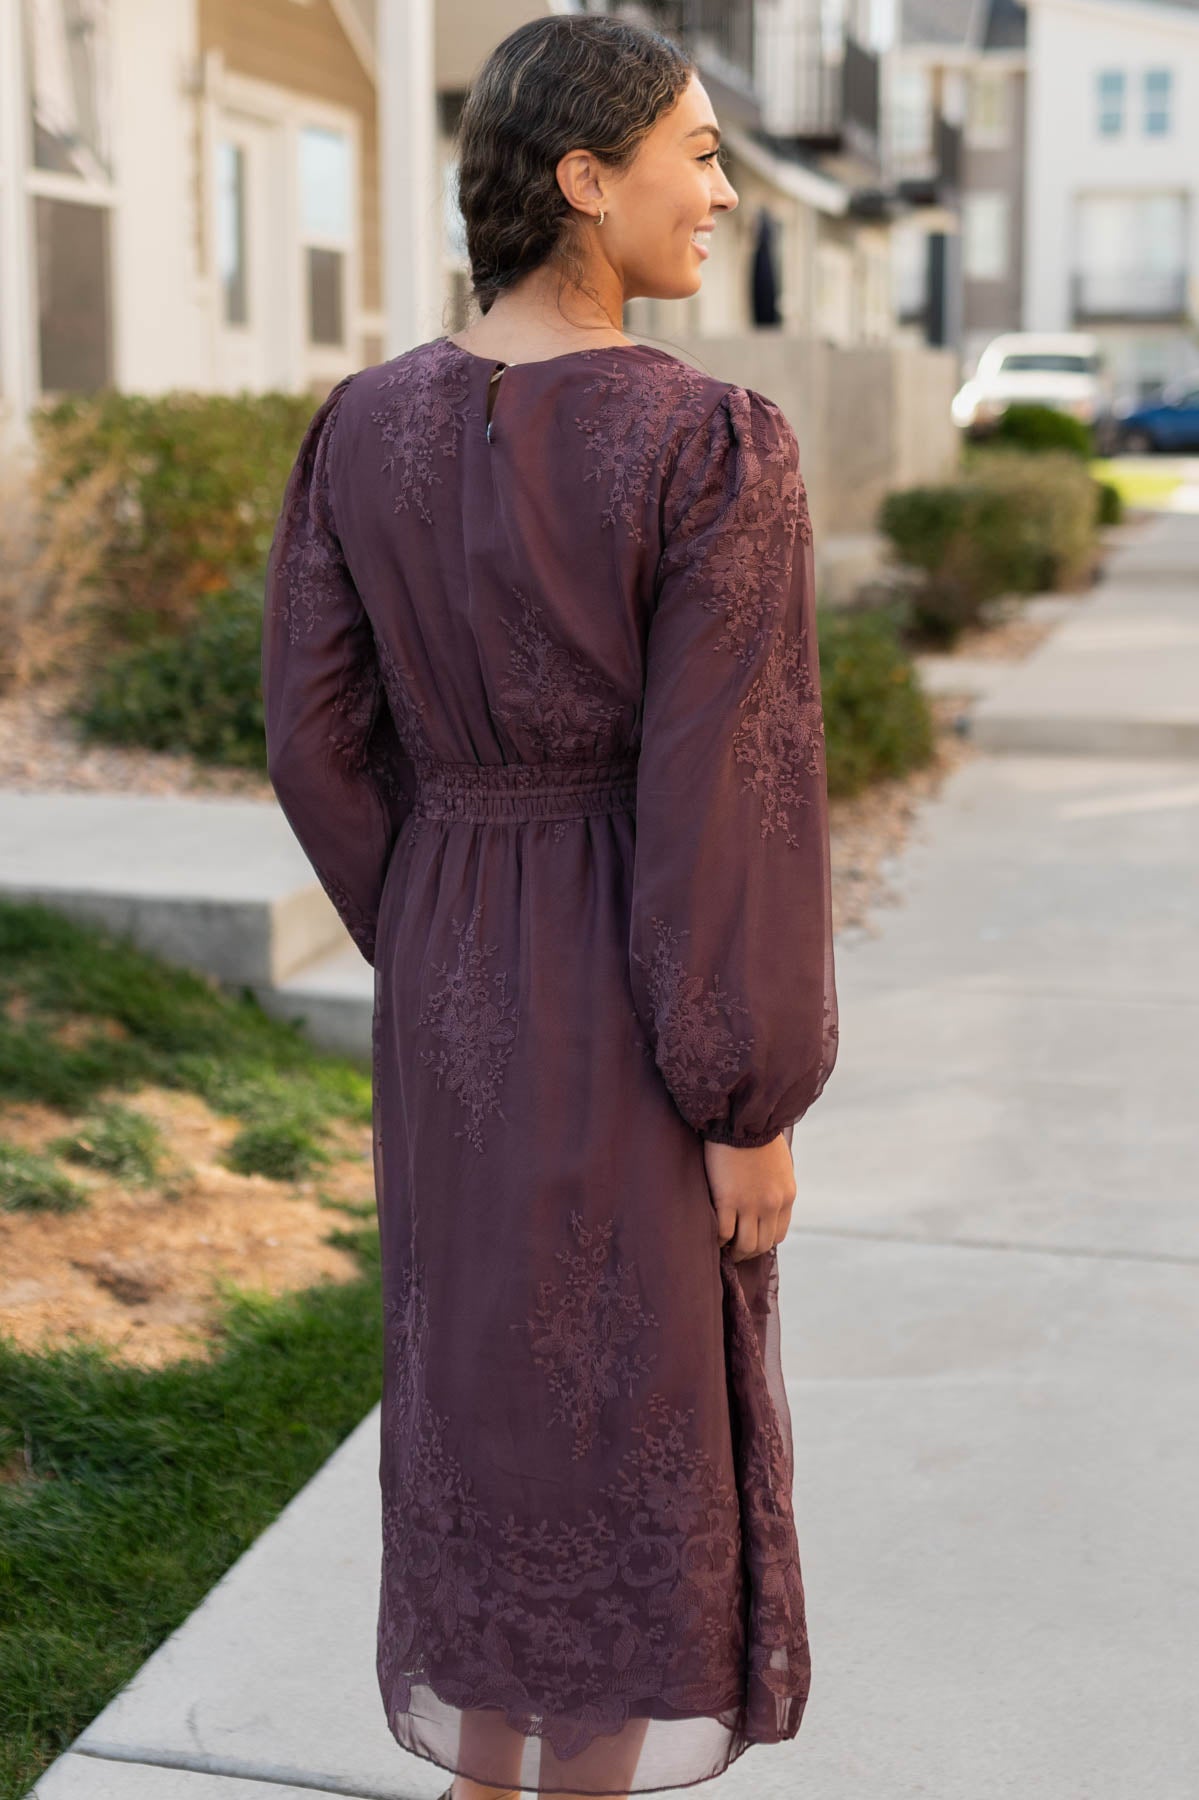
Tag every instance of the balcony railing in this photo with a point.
(1129, 294)
(721, 29)
(933, 175)
(816, 93)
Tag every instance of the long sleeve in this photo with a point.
(333, 755)
(731, 946)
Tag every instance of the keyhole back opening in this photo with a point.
(493, 388)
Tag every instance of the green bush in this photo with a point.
(877, 720)
(196, 690)
(969, 546)
(1052, 504)
(199, 481)
(1111, 503)
(1037, 428)
(1012, 523)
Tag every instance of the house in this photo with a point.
(193, 192)
(1112, 232)
(222, 195)
(956, 85)
(188, 196)
(795, 253)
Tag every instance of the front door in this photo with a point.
(248, 184)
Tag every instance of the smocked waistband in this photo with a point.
(548, 790)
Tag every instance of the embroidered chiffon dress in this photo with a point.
(543, 709)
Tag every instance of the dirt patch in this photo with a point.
(868, 832)
(1007, 640)
(139, 1268)
(40, 750)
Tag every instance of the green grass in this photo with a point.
(126, 1493)
(147, 1485)
(1139, 485)
(116, 1139)
(175, 1027)
(32, 1183)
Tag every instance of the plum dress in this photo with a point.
(543, 709)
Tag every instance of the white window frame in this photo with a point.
(983, 133)
(21, 184)
(308, 365)
(342, 245)
(977, 228)
(1105, 108)
(1163, 106)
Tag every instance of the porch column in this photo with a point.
(18, 344)
(409, 174)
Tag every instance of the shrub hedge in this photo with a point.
(1044, 428)
(1011, 523)
(877, 719)
(198, 483)
(195, 689)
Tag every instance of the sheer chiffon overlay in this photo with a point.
(543, 709)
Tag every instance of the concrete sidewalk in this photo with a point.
(989, 1293)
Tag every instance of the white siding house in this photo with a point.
(188, 197)
(1112, 216)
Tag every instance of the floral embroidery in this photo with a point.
(407, 708)
(554, 697)
(473, 1014)
(353, 715)
(779, 1656)
(306, 560)
(583, 1330)
(696, 1051)
(733, 544)
(537, 1616)
(627, 427)
(422, 420)
(781, 737)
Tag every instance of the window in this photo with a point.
(67, 51)
(1157, 91)
(72, 289)
(1130, 254)
(911, 112)
(69, 181)
(909, 272)
(1048, 362)
(326, 225)
(231, 232)
(985, 236)
(986, 115)
(1111, 102)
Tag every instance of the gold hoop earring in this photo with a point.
(600, 220)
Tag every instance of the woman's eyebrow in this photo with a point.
(714, 129)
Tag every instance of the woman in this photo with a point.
(543, 708)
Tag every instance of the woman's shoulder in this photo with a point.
(639, 394)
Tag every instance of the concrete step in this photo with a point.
(216, 884)
(332, 996)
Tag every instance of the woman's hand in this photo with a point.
(753, 1192)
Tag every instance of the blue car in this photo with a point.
(1170, 421)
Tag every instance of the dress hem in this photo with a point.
(741, 1745)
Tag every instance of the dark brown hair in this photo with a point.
(550, 86)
